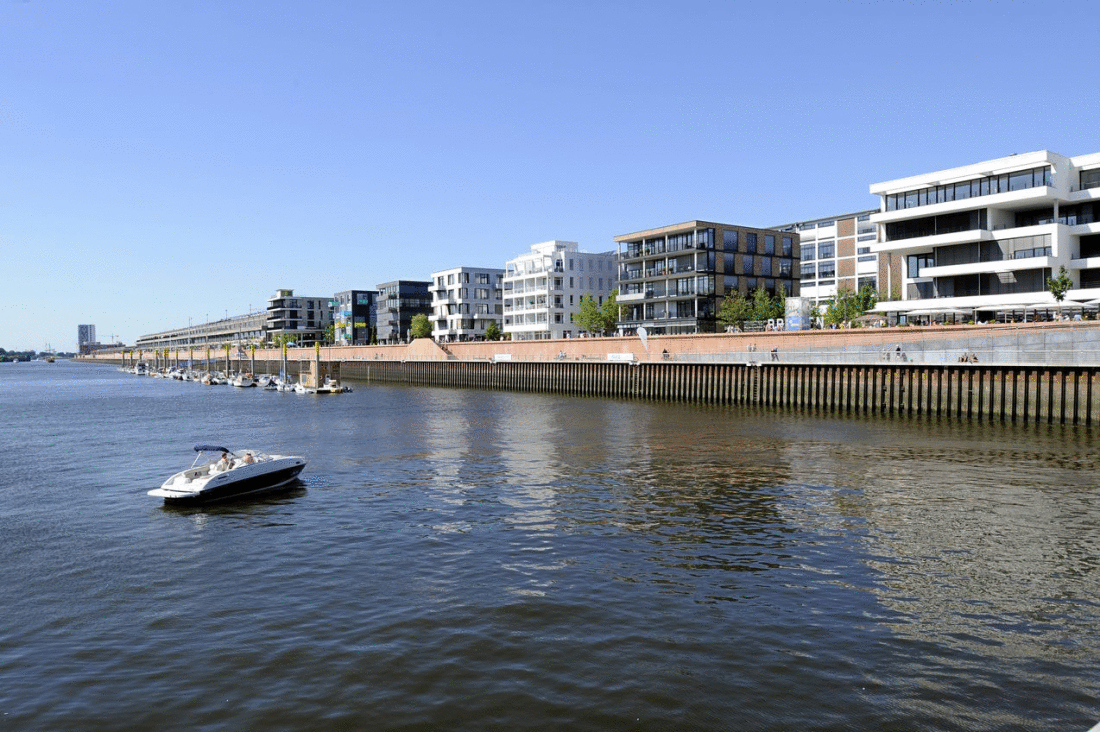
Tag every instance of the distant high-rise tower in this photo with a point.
(85, 336)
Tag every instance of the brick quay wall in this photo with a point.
(1035, 373)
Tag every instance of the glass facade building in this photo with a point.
(673, 279)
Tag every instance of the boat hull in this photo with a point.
(248, 480)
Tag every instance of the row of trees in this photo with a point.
(736, 308)
(602, 318)
(591, 317)
(421, 327)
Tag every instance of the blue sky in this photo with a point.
(167, 162)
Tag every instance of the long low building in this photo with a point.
(239, 330)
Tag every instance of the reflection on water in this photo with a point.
(473, 560)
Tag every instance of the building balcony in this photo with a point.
(996, 267)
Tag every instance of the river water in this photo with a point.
(473, 560)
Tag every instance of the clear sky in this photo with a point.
(167, 162)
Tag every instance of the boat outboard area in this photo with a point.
(219, 474)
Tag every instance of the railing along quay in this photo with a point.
(1006, 393)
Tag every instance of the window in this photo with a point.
(826, 250)
(750, 243)
(809, 271)
(809, 252)
(729, 240)
(929, 195)
(917, 262)
(788, 246)
(1090, 179)
(766, 266)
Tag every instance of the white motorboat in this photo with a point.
(219, 474)
(242, 380)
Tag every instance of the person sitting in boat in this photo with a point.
(224, 463)
(248, 459)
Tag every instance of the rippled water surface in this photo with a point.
(470, 560)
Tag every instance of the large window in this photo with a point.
(788, 246)
(1090, 179)
(809, 252)
(729, 240)
(826, 250)
(769, 244)
(1016, 181)
(933, 225)
(917, 262)
(750, 243)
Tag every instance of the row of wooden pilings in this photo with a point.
(1036, 394)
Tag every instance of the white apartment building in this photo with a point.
(983, 239)
(465, 300)
(543, 288)
(303, 319)
(836, 253)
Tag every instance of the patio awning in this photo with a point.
(939, 311)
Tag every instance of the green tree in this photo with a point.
(610, 311)
(420, 327)
(734, 311)
(1061, 284)
(281, 339)
(330, 333)
(764, 306)
(492, 333)
(850, 304)
(594, 317)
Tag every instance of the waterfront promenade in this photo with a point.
(1040, 373)
(1066, 343)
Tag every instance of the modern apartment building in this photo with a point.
(399, 302)
(836, 254)
(353, 315)
(672, 279)
(85, 338)
(543, 288)
(465, 300)
(303, 319)
(985, 237)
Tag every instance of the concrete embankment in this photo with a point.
(1037, 373)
